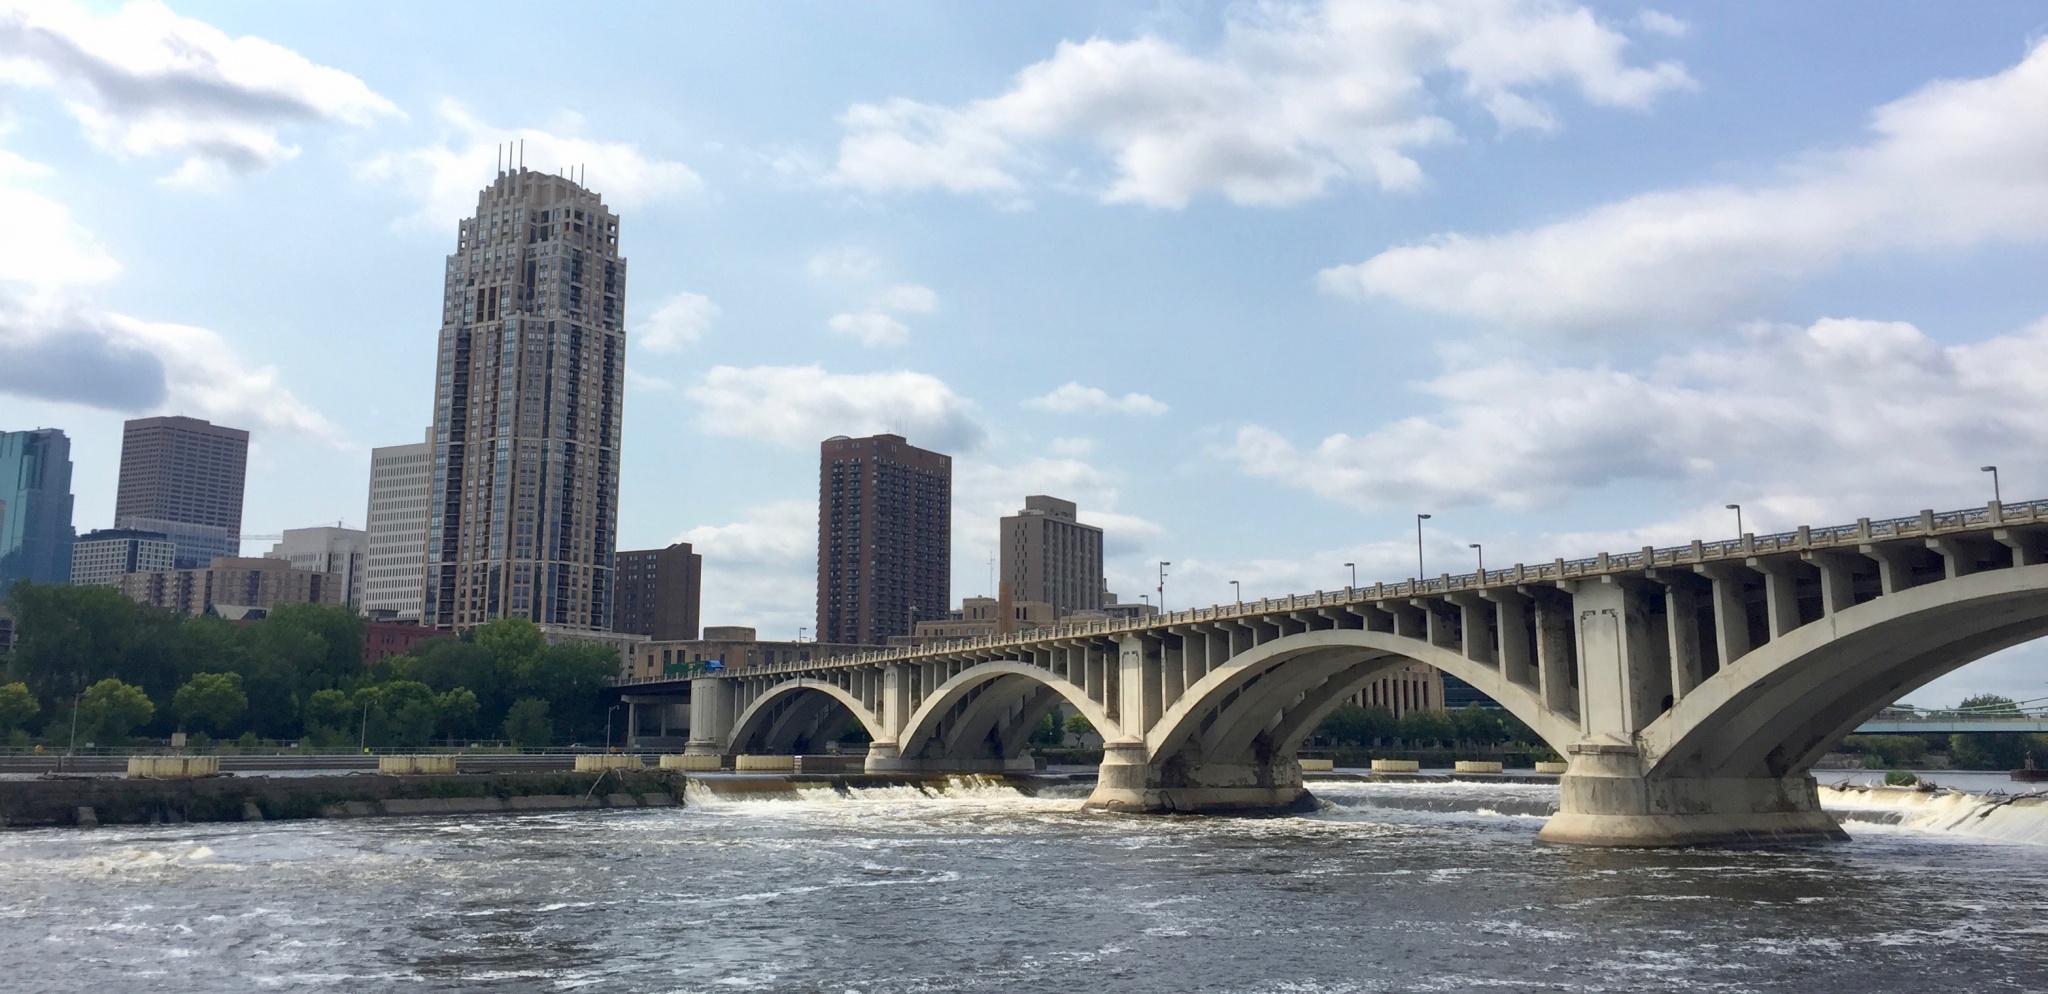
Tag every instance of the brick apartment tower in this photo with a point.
(1048, 555)
(183, 477)
(659, 593)
(528, 398)
(885, 541)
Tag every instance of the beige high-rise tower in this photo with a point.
(1049, 555)
(528, 400)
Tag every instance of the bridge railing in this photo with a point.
(1926, 524)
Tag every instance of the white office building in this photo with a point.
(341, 551)
(400, 479)
(99, 558)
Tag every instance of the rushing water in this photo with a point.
(1392, 887)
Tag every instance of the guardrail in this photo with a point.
(1926, 524)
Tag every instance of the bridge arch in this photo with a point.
(1777, 709)
(1292, 666)
(993, 690)
(774, 722)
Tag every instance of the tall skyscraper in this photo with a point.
(1047, 555)
(35, 490)
(328, 549)
(183, 477)
(885, 541)
(527, 405)
(660, 591)
(400, 478)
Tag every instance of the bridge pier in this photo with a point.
(1129, 782)
(1604, 800)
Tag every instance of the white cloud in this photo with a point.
(446, 175)
(908, 298)
(1954, 164)
(1658, 22)
(1074, 398)
(678, 321)
(852, 263)
(144, 81)
(1804, 424)
(762, 569)
(57, 344)
(1295, 99)
(870, 329)
(801, 406)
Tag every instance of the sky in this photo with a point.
(1253, 283)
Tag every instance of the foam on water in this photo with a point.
(2000, 817)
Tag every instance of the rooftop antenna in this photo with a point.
(501, 160)
(522, 154)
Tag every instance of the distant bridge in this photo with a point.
(1950, 726)
(1691, 688)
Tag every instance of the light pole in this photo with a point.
(800, 630)
(1737, 508)
(608, 727)
(1993, 470)
(1163, 564)
(1419, 572)
(363, 739)
(1475, 547)
(1353, 567)
(1237, 593)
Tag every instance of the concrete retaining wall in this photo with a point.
(1476, 766)
(597, 762)
(415, 764)
(1396, 766)
(764, 764)
(693, 764)
(173, 767)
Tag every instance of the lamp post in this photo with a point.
(1163, 564)
(1737, 508)
(800, 630)
(608, 727)
(1993, 470)
(1419, 572)
(1237, 593)
(1353, 567)
(363, 736)
(1475, 547)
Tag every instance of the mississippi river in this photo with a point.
(1391, 887)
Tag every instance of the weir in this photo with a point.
(1690, 689)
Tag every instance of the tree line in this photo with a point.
(91, 663)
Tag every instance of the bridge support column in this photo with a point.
(714, 703)
(1604, 800)
(1182, 784)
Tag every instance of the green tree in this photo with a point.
(1079, 725)
(111, 709)
(455, 712)
(1480, 726)
(401, 713)
(448, 663)
(527, 724)
(1047, 732)
(69, 637)
(572, 678)
(1990, 705)
(211, 702)
(330, 718)
(17, 705)
(514, 642)
(1427, 727)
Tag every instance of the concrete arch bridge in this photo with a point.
(1691, 688)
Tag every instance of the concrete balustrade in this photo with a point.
(1476, 766)
(599, 762)
(691, 764)
(173, 767)
(407, 765)
(764, 764)
(1396, 766)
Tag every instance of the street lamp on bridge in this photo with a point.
(1163, 564)
(1419, 519)
(1353, 567)
(1993, 470)
(1482, 560)
(1237, 593)
(1737, 508)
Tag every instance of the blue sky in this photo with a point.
(1253, 283)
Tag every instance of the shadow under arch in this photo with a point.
(798, 708)
(1776, 710)
(1003, 683)
(1314, 658)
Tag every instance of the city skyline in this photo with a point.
(1045, 302)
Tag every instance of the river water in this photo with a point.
(1391, 887)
